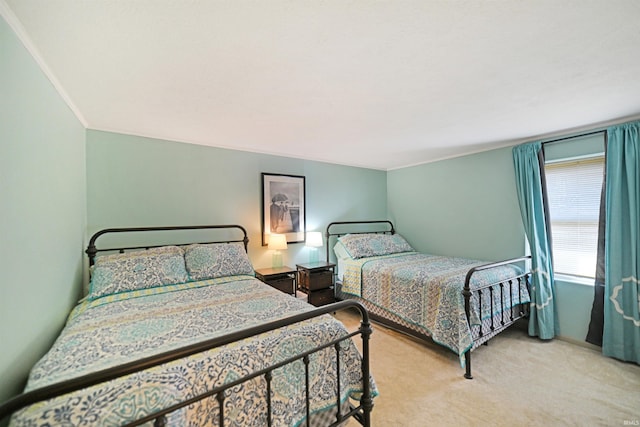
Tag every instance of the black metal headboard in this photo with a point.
(92, 250)
(385, 227)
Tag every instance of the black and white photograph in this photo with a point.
(283, 207)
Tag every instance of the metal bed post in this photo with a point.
(466, 293)
(366, 400)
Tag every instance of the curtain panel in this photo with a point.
(596, 324)
(621, 334)
(530, 184)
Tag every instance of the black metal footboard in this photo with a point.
(510, 309)
(361, 412)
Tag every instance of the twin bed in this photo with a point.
(187, 336)
(455, 302)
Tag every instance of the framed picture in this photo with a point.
(283, 207)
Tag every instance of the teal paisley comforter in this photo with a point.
(426, 290)
(119, 328)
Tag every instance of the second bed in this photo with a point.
(456, 302)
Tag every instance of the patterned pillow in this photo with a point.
(137, 270)
(208, 261)
(368, 245)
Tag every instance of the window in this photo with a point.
(573, 191)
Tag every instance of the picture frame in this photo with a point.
(283, 207)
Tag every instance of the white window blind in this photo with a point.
(573, 190)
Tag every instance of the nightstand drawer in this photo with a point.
(322, 297)
(284, 284)
(312, 280)
(281, 278)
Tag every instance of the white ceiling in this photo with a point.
(379, 84)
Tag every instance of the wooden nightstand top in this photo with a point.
(315, 265)
(264, 272)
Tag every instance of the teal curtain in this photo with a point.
(621, 334)
(527, 159)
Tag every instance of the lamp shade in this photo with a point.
(277, 242)
(314, 239)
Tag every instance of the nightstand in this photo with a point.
(281, 278)
(316, 279)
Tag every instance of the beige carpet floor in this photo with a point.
(518, 381)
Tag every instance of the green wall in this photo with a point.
(574, 309)
(137, 181)
(42, 211)
(468, 207)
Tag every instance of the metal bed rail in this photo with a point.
(362, 412)
(92, 250)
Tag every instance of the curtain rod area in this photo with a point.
(581, 135)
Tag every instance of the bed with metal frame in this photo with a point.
(507, 297)
(35, 404)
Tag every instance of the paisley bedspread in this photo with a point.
(112, 330)
(426, 290)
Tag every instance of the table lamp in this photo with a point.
(314, 241)
(277, 243)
